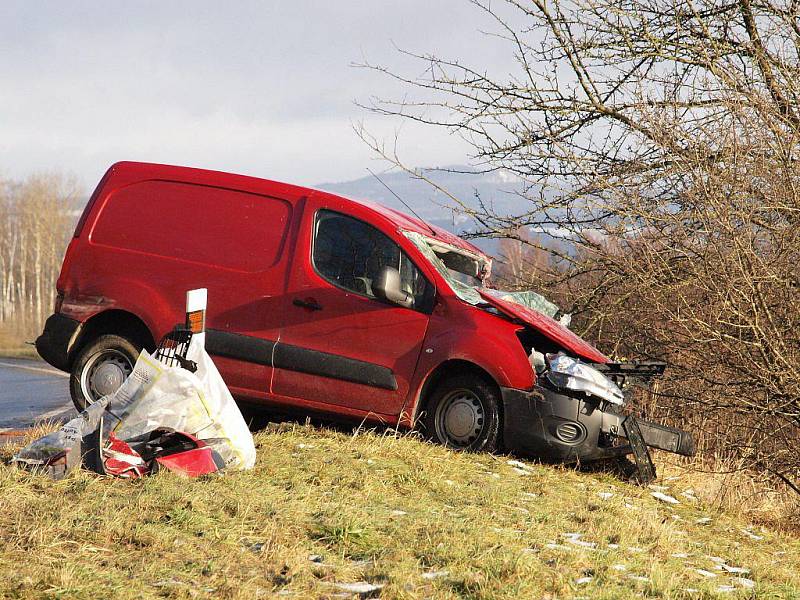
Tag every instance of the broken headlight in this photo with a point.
(571, 374)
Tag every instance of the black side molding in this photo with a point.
(240, 347)
(295, 358)
(314, 362)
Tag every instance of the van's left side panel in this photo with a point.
(153, 240)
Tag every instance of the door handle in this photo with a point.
(308, 303)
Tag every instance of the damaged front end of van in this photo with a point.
(579, 408)
(578, 411)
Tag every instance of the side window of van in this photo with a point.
(350, 254)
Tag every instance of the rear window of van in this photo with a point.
(226, 228)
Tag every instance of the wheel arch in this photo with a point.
(449, 368)
(113, 321)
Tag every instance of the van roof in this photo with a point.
(130, 172)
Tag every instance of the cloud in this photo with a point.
(261, 88)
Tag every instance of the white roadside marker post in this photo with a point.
(196, 304)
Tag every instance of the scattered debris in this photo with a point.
(619, 567)
(315, 558)
(605, 495)
(745, 582)
(172, 412)
(664, 498)
(703, 520)
(583, 580)
(519, 471)
(639, 578)
(679, 555)
(726, 588)
(398, 513)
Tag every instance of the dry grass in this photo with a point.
(381, 509)
(727, 486)
(13, 343)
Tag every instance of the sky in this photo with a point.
(262, 88)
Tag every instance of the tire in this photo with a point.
(89, 382)
(463, 413)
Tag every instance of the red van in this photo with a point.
(328, 305)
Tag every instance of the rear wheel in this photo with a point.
(100, 368)
(463, 413)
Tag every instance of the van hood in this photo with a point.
(550, 328)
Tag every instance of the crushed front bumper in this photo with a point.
(555, 427)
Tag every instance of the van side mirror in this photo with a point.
(387, 286)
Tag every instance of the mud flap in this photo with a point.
(644, 464)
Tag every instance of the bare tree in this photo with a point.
(661, 139)
(36, 218)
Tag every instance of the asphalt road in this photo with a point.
(32, 391)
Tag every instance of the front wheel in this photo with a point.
(100, 368)
(463, 413)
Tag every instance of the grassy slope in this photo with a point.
(378, 509)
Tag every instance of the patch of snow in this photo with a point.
(664, 498)
(605, 495)
(705, 573)
(519, 464)
(730, 569)
(619, 567)
(359, 587)
(752, 535)
(583, 580)
(703, 520)
(435, 574)
(744, 582)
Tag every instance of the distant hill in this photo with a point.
(497, 189)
